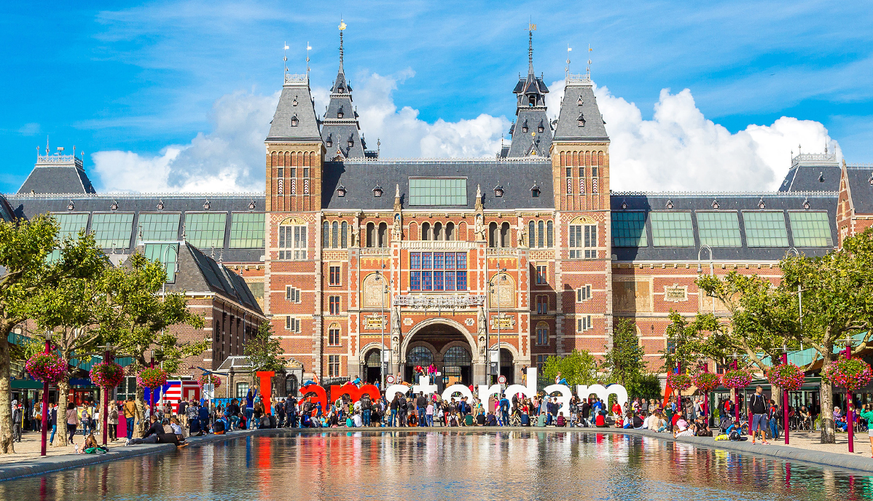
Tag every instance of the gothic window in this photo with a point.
(550, 234)
(531, 234)
(334, 235)
(504, 235)
(334, 305)
(450, 231)
(457, 356)
(325, 235)
(540, 234)
(425, 231)
(344, 231)
(493, 238)
(419, 355)
(437, 231)
(292, 242)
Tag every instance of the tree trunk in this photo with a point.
(826, 395)
(141, 424)
(61, 434)
(6, 446)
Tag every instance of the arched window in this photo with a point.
(334, 235)
(542, 334)
(372, 359)
(438, 231)
(419, 355)
(425, 231)
(458, 356)
(493, 237)
(541, 233)
(325, 235)
(550, 242)
(450, 231)
(383, 235)
(371, 235)
(344, 235)
(531, 234)
(504, 235)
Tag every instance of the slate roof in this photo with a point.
(360, 177)
(579, 103)
(691, 202)
(861, 187)
(197, 272)
(522, 142)
(812, 172)
(295, 102)
(55, 178)
(29, 206)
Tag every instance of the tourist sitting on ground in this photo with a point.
(701, 428)
(681, 429)
(840, 420)
(90, 446)
(600, 420)
(412, 419)
(661, 424)
(638, 420)
(177, 429)
(490, 419)
(628, 421)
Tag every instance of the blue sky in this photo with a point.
(185, 88)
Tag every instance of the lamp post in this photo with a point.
(711, 267)
(104, 415)
(785, 396)
(382, 328)
(705, 368)
(45, 398)
(850, 415)
(736, 394)
(501, 273)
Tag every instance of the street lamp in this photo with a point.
(711, 267)
(104, 415)
(501, 272)
(785, 396)
(384, 291)
(850, 415)
(45, 395)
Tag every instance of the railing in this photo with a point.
(296, 78)
(58, 159)
(571, 78)
(807, 158)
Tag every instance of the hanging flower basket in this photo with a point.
(679, 382)
(46, 367)
(107, 374)
(850, 374)
(209, 379)
(736, 379)
(789, 377)
(151, 378)
(706, 381)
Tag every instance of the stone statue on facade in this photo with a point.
(479, 228)
(482, 321)
(355, 228)
(396, 230)
(520, 235)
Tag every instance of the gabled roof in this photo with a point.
(57, 177)
(860, 179)
(532, 139)
(813, 172)
(579, 101)
(197, 272)
(295, 118)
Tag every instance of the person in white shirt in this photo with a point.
(359, 422)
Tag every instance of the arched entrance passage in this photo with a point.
(444, 342)
(370, 370)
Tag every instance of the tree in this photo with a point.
(24, 249)
(624, 360)
(70, 311)
(687, 343)
(837, 290)
(263, 350)
(579, 367)
(626, 364)
(136, 319)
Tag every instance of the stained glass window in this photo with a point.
(629, 229)
(719, 229)
(765, 229)
(672, 229)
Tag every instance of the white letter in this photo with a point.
(603, 393)
(486, 391)
(457, 388)
(528, 391)
(564, 399)
(395, 388)
(424, 386)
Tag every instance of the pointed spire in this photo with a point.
(342, 27)
(530, 70)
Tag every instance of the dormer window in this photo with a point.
(532, 101)
(340, 89)
(329, 141)
(351, 142)
(580, 120)
(579, 101)
(524, 127)
(498, 191)
(535, 191)
(339, 113)
(540, 129)
(294, 121)
(377, 191)
(294, 102)
(341, 191)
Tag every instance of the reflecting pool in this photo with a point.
(444, 465)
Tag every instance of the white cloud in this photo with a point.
(678, 149)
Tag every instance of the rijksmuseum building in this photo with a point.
(454, 262)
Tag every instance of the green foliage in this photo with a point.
(624, 361)
(263, 350)
(645, 386)
(579, 367)
(688, 343)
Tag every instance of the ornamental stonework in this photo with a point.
(675, 293)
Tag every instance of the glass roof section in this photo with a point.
(112, 231)
(672, 229)
(811, 229)
(71, 224)
(204, 230)
(247, 230)
(629, 229)
(159, 227)
(765, 229)
(719, 229)
(437, 191)
(168, 254)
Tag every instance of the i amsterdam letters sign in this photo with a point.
(529, 390)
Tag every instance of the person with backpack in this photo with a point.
(504, 410)
(758, 408)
